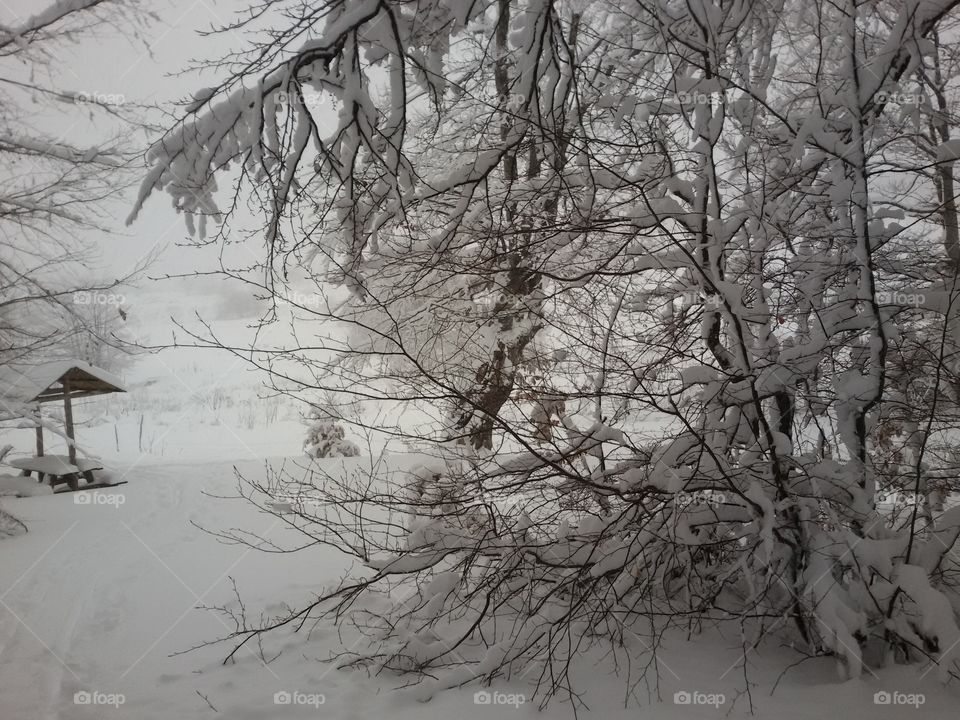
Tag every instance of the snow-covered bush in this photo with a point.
(327, 438)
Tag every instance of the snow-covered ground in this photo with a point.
(100, 598)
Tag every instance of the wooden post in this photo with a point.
(39, 433)
(68, 421)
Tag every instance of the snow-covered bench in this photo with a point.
(58, 469)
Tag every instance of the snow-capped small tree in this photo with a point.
(629, 269)
(327, 438)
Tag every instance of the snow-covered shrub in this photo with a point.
(327, 438)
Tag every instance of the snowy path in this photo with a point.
(99, 597)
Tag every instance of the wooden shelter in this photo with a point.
(65, 381)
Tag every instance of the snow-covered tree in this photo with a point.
(650, 274)
(327, 438)
(50, 189)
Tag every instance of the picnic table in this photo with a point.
(58, 469)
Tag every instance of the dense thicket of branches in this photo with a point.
(668, 288)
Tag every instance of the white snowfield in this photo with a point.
(100, 596)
